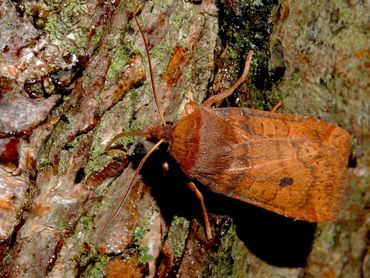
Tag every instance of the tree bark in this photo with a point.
(79, 72)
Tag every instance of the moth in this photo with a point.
(292, 165)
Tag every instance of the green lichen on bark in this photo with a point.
(221, 264)
(90, 263)
(247, 25)
(176, 236)
(323, 46)
(67, 24)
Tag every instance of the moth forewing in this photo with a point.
(292, 165)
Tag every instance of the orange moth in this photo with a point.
(292, 165)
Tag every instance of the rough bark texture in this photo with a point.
(73, 74)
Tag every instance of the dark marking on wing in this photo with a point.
(286, 181)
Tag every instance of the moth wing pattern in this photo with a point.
(267, 159)
(279, 125)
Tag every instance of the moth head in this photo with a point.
(160, 132)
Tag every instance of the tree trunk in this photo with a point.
(75, 74)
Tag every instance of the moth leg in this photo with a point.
(199, 195)
(190, 107)
(277, 106)
(226, 93)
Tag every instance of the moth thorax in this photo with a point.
(160, 132)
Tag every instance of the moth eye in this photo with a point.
(286, 181)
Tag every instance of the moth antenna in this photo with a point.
(124, 134)
(123, 201)
(150, 72)
(226, 93)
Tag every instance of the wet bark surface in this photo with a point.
(74, 74)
